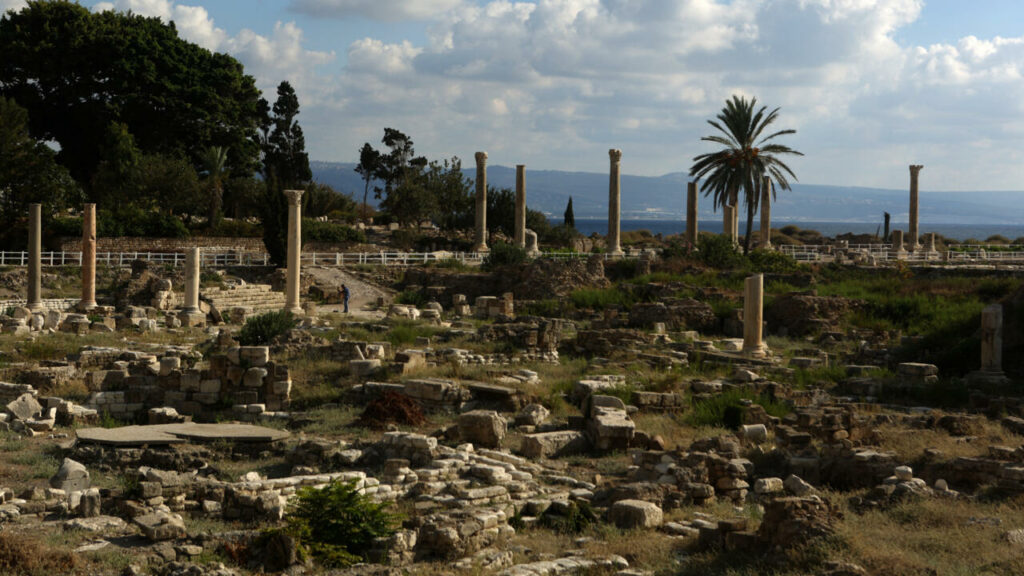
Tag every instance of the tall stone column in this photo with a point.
(192, 261)
(481, 203)
(614, 202)
(520, 215)
(691, 213)
(885, 237)
(291, 291)
(753, 316)
(766, 213)
(915, 169)
(35, 257)
(88, 257)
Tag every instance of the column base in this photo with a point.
(35, 307)
(296, 310)
(759, 351)
(987, 377)
(481, 248)
(192, 318)
(83, 305)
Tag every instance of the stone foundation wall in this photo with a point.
(244, 381)
(126, 244)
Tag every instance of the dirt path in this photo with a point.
(362, 301)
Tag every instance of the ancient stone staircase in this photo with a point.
(257, 297)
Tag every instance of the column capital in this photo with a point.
(615, 154)
(294, 196)
(915, 168)
(520, 166)
(481, 158)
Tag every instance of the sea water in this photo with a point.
(959, 232)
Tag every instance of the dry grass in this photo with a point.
(671, 427)
(26, 461)
(936, 536)
(910, 443)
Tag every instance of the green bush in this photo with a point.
(237, 229)
(773, 262)
(727, 409)
(503, 253)
(599, 298)
(317, 231)
(718, 251)
(337, 525)
(411, 297)
(126, 220)
(260, 330)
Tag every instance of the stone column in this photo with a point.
(727, 212)
(885, 237)
(753, 316)
(291, 291)
(912, 242)
(897, 244)
(766, 213)
(691, 213)
(991, 347)
(614, 199)
(932, 252)
(88, 258)
(992, 338)
(192, 261)
(481, 203)
(35, 257)
(520, 215)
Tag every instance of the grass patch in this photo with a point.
(726, 409)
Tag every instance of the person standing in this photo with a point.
(344, 296)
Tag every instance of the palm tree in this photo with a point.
(214, 160)
(744, 160)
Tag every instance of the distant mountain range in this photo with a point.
(664, 197)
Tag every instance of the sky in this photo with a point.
(870, 86)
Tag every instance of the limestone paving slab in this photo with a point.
(180, 433)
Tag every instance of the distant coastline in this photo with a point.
(959, 232)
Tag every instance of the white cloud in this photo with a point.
(6, 5)
(386, 10)
(555, 83)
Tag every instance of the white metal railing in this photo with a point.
(241, 258)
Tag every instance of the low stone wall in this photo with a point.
(138, 244)
(244, 379)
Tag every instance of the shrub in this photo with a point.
(599, 298)
(237, 229)
(718, 251)
(337, 525)
(125, 220)
(503, 253)
(773, 262)
(727, 409)
(411, 297)
(260, 330)
(317, 231)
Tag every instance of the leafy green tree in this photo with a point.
(285, 167)
(242, 195)
(214, 160)
(322, 200)
(747, 155)
(29, 172)
(569, 219)
(455, 206)
(284, 151)
(115, 179)
(369, 168)
(169, 184)
(79, 72)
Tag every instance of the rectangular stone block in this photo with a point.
(210, 386)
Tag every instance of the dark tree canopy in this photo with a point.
(284, 153)
(78, 73)
(28, 171)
